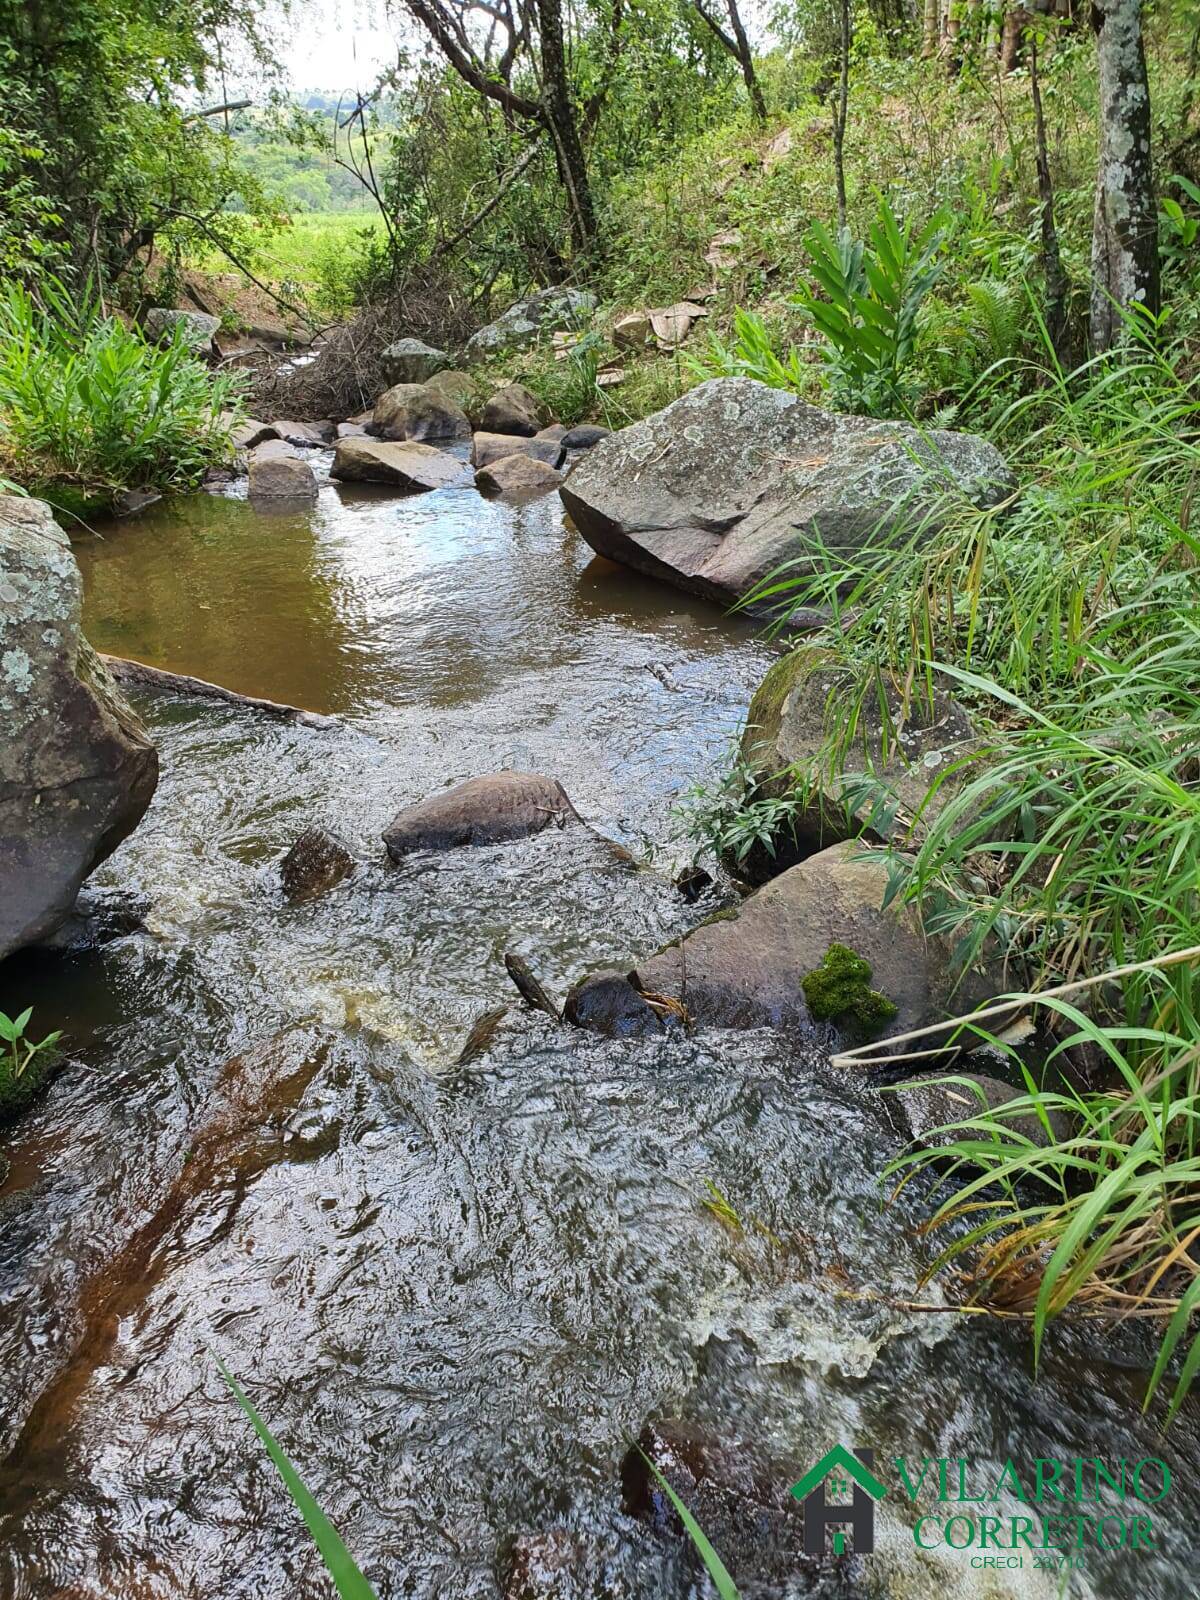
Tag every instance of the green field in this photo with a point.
(303, 251)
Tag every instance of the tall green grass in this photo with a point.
(86, 404)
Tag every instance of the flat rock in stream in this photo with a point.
(489, 447)
(717, 491)
(519, 474)
(491, 810)
(404, 463)
(306, 435)
(278, 473)
(745, 968)
(77, 770)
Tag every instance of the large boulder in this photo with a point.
(851, 769)
(76, 768)
(412, 361)
(512, 409)
(404, 463)
(278, 473)
(517, 474)
(196, 328)
(417, 411)
(748, 967)
(491, 810)
(523, 323)
(720, 488)
(489, 447)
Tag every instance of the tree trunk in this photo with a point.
(562, 124)
(843, 106)
(746, 60)
(1125, 226)
(1052, 267)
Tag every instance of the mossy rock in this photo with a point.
(810, 698)
(18, 1094)
(839, 991)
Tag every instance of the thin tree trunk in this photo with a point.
(1125, 225)
(930, 28)
(746, 59)
(1056, 278)
(843, 106)
(564, 129)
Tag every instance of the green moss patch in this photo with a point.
(839, 991)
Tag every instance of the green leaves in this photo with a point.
(88, 403)
(347, 1579)
(868, 318)
(24, 1065)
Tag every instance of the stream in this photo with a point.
(456, 1292)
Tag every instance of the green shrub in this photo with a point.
(87, 405)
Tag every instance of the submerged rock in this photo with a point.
(524, 322)
(802, 698)
(512, 409)
(418, 411)
(519, 474)
(77, 770)
(278, 473)
(742, 1500)
(316, 863)
(412, 361)
(404, 463)
(745, 968)
(491, 810)
(608, 1004)
(715, 492)
(489, 447)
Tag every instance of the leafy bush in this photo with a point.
(87, 404)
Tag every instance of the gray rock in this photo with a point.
(491, 810)
(524, 322)
(278, 473)
(248, 431)
(404, 463)
(489, 447)
(717, 491)
(132, 502)
(307, 435)
(608, 1004)
(512, 409)
(517, 474)
(745, 968)
(77, 770)
(412, 361)
(416, 411)
(555, 431)
(805, 695)
(352, 430)
(459, 388)
(585, 436)
(930, 1106)
(315, 864)
(198, 326)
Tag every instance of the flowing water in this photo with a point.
(456, 1292)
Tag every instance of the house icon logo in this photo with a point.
(838, 1471)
